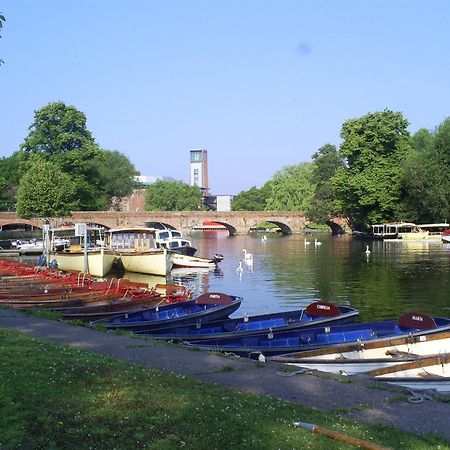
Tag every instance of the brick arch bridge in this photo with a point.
(236, 222)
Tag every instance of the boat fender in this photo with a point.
(245, 317)
(270, 334)
(54, 264)
(42, 261)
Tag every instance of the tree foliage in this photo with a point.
(291, 189)
(45, 191)
(59, 134)
(252, 200)
(375, 147)
(173, 196)
(426, 182)
(324, 203)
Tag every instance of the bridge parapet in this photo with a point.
(237, 222)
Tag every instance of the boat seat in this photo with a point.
(345, 336)
(280, 342)
(261, 324)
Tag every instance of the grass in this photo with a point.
(57, 397)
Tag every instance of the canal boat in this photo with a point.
(136, 251)
(279, 342)
(431, 373)
(314, 314)
(358, 357)
(207, 307)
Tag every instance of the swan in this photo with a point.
(317, 243)
(264, 238)
(307, 242)
(239, 268)
(367, 250)
(247, 256)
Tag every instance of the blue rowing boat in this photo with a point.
(412, 325)
(209, 306)
(315, 314)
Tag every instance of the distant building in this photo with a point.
(221, 203)
(199, 170)
(149, 179)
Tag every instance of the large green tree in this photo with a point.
(291, 189)
(45, 191)
(255, 199)
(426, 183)
(375, 147)
(59, 134)
(173, 196)
(324, 203)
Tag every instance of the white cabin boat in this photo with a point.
(136, 250)
(67, 252)
(174, 241)
(405, 231)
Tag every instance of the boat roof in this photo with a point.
(437, 225)
(396, 224)
(131, 230)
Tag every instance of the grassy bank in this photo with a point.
(57, 397)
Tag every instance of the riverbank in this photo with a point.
(356, 399)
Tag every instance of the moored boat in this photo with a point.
(358, 357)
(432, 372)
(136, 251)
(279, 342)
(209, 306)
(314, 314)
(84, 252)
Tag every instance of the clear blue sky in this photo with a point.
(260, 84)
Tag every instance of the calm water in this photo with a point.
(396, 277)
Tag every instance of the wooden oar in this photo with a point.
(340, 436)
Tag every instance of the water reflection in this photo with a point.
(286, 273)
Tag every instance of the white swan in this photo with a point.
(248, 257)
(317, 243)
(240, 269)
(307, 242)
(264, 238)
(367, 250)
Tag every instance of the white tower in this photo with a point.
(199, 170)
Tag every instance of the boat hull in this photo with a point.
(153, 262)
(99, 262)
(281, 342)
(349, 359)
(180, 260)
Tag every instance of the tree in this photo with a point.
(57, 128)
(426, 182)
(10, 176)
(45, 191)
(59, 134)
(252, 200)
(173, 196)
(291, 189)
(369, 185)
(324, 203)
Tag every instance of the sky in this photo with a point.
(261, 84)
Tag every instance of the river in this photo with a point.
(396, 277)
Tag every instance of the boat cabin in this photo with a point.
(399, 230)
(135, 239)
(173, 240)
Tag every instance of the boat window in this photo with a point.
(152, 241)
(176, 234)
(163, 234)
